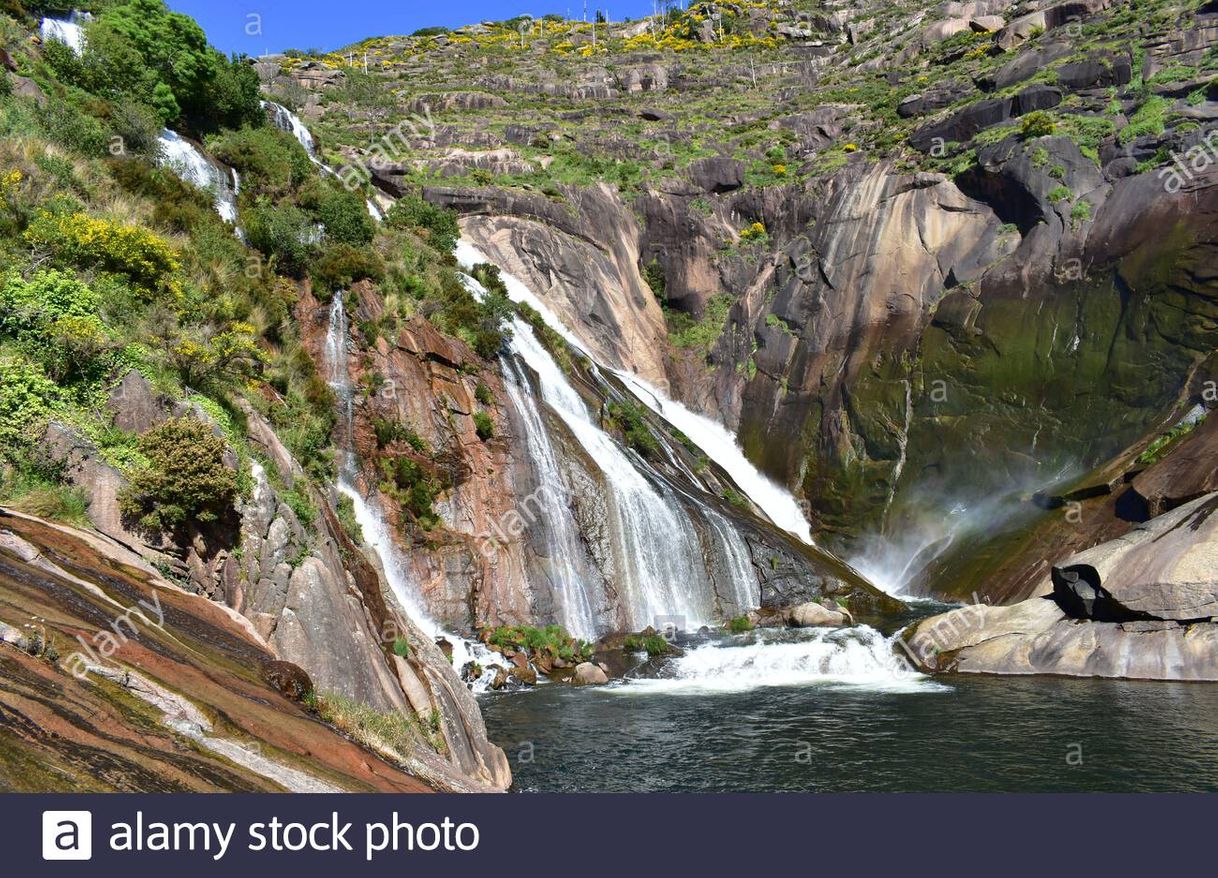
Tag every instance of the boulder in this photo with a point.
(964, 125)
(931, 100)
(1036, 97)
(136, 406)
(291, 680)
(588, 674)
(524, 676)
(1142, 606)
(24, 87)
(717, 175)
(814, 615)
(1098, 71)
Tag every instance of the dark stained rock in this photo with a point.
(1101, 71)
(291, 680)
(1036, 97)
(717, 175)
(1025, 65)
(1188, 472)
(932, 100)
(964, 125)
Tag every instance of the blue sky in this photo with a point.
(303, 24)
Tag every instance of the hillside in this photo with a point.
(953, 251)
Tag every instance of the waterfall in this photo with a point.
(661, 569)
(712, 438)
(70, 32)
(778, 504)
(372, 522)
(657, 552)
(563, 547)
(285, 120)
(188, 162)
(859, 656)
(665, 568)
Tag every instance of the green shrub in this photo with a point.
(484, 425)
(401, 647)
(652, 644)
(69, 126)
(739, 625)
(438, 223)
(283, 233)
(297, 499)
(552, 640)
(345, 216)
(482, 393)
(271, 162)
(186, 478)
(1037, 124)
(629, 418)
(655, 278)
(1060, 193)
(415, 489)
(1150, 119)
(340, 265)
(27, 398)
(1081, 212)
(389, 431)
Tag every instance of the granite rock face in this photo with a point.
(1159, 580)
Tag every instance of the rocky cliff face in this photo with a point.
(117, 679)
(483, 553)
(912, 291)
(311, 595)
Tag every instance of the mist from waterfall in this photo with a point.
(932, 522)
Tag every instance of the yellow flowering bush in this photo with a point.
(80, 239)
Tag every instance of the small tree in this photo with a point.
(185, 478)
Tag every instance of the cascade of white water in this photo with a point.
(188, 162)
(712, 438)
(70, 32)
(657, 553)
(859, 656)
(563, 545)
(285, 120)
(745, 589)
(372, 522)
(719, 445)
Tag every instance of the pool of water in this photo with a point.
(741, 716)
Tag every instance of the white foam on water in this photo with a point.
(858, 657)
(188, 162)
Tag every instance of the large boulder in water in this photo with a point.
(814, 615)
(588, 674)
